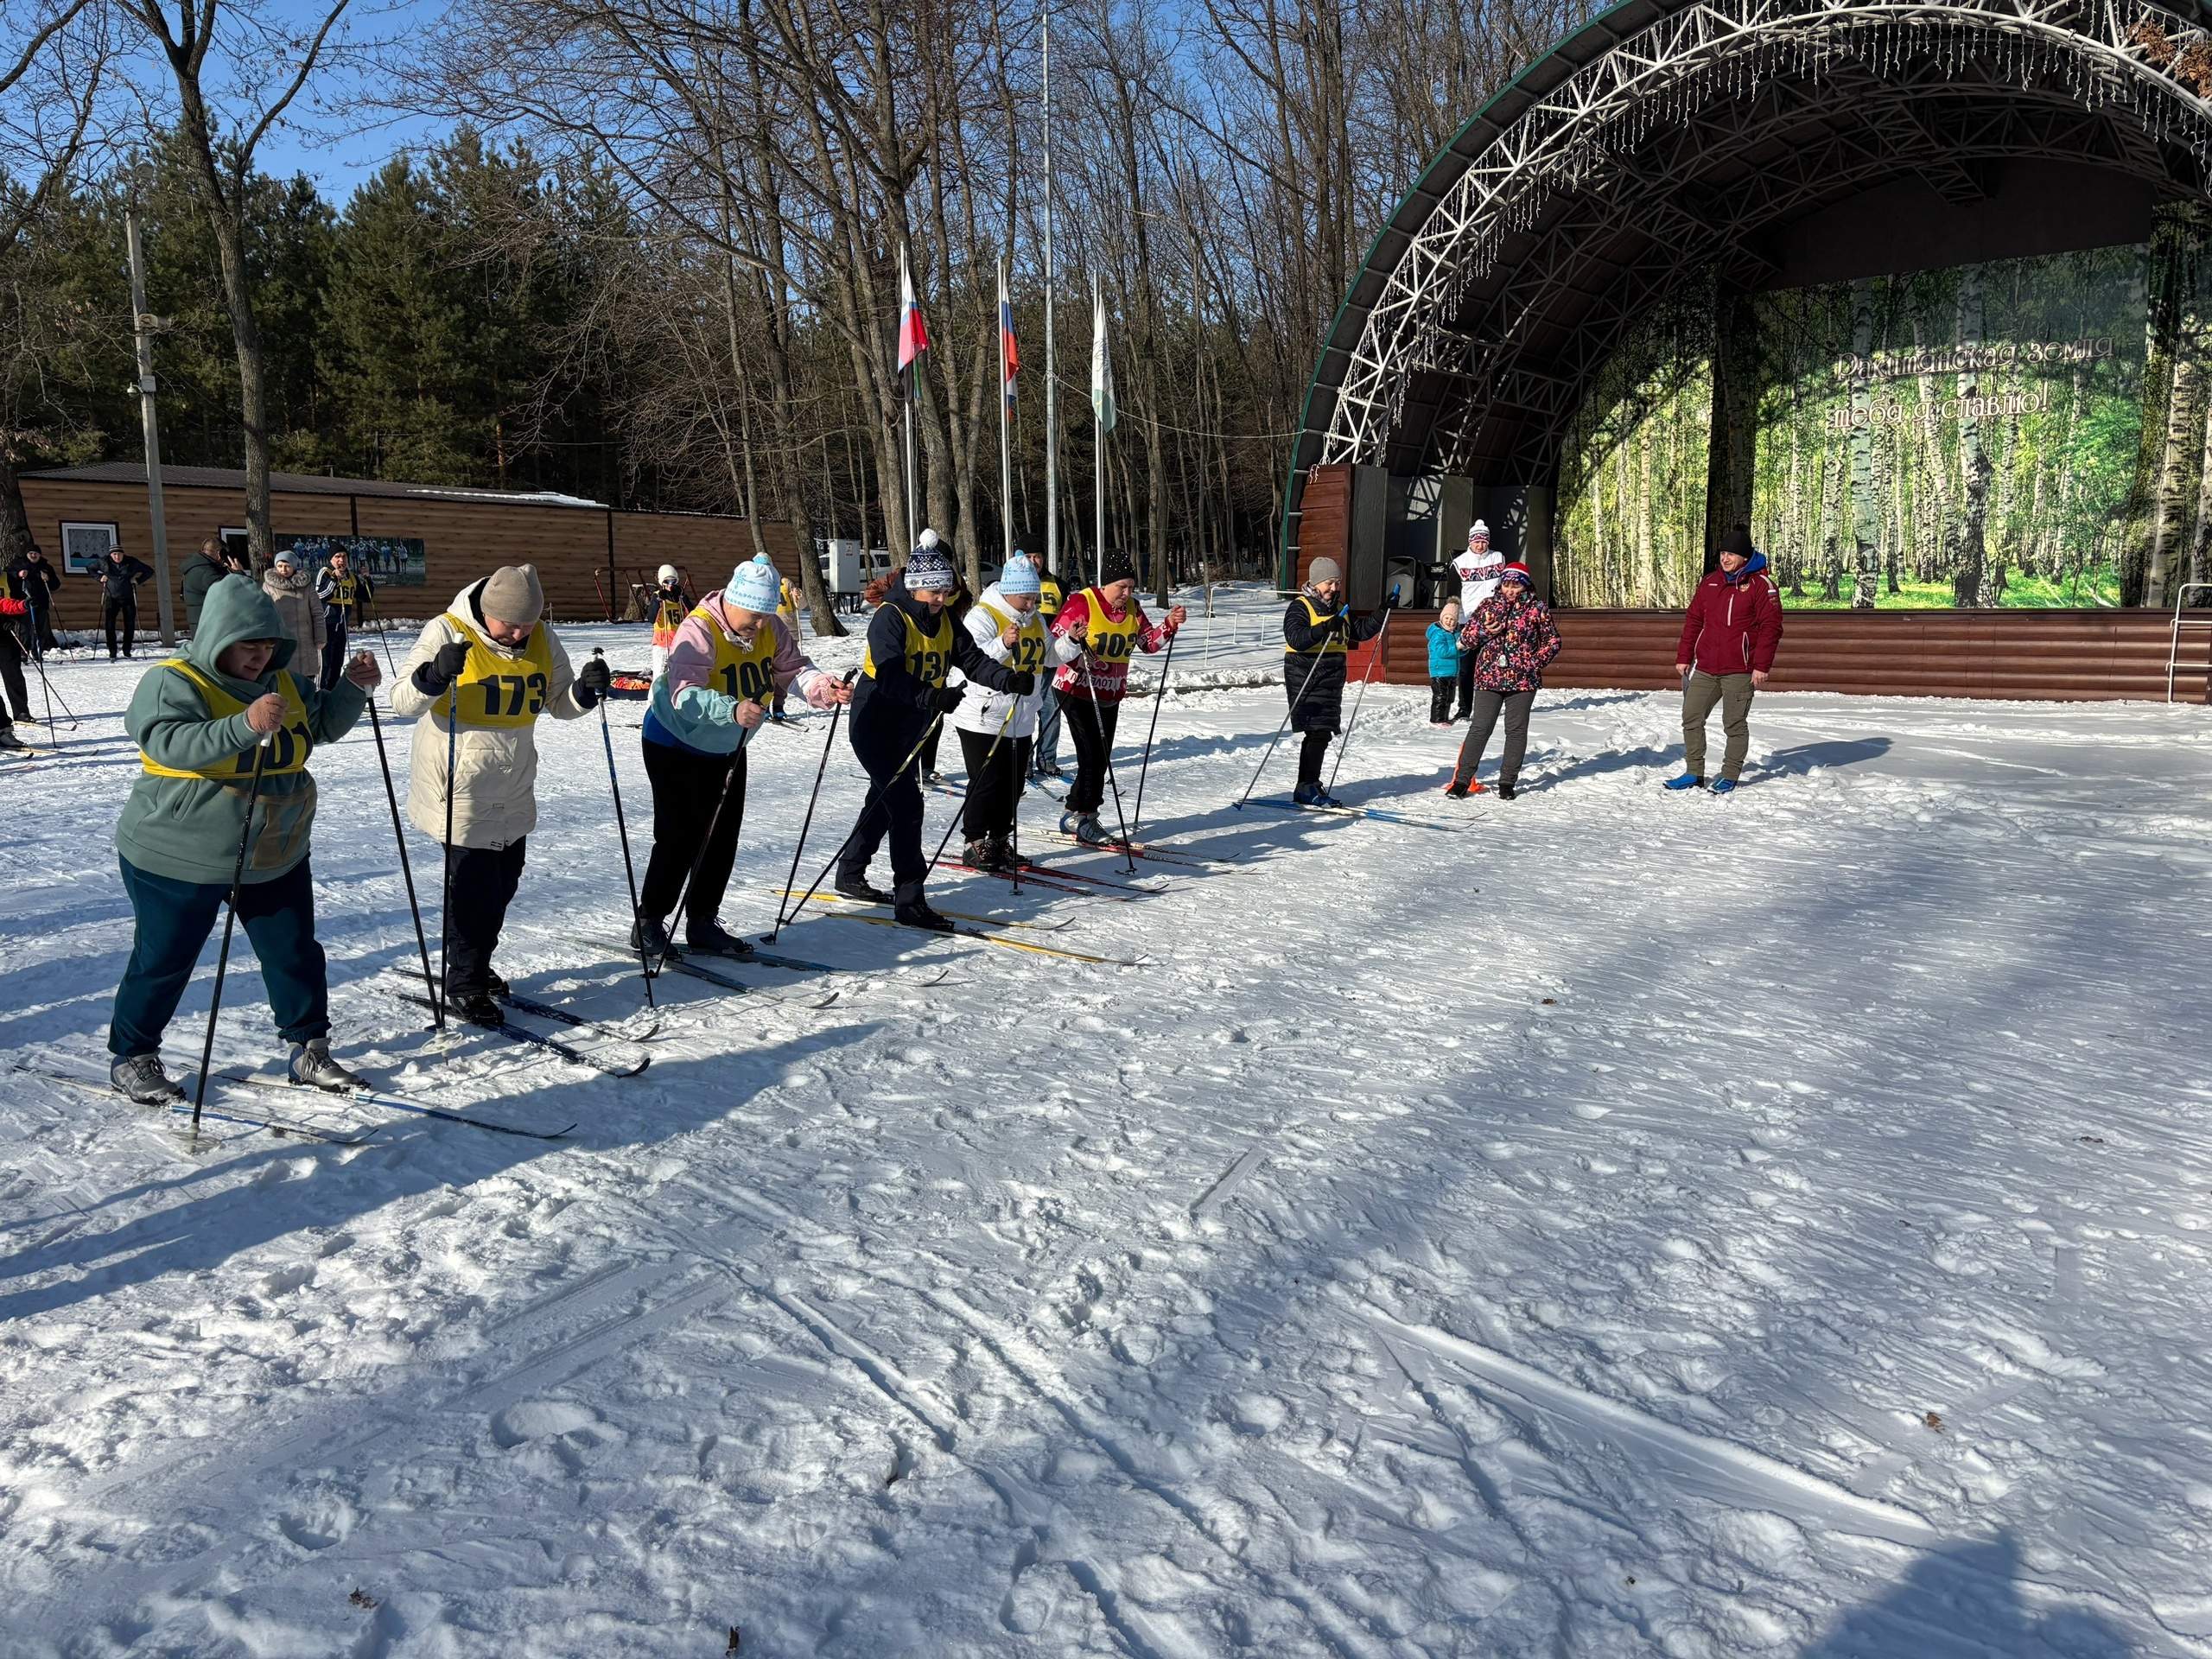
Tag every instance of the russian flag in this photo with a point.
(913, 333)
(1009, 358)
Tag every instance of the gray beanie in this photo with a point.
(1324, 571)
(512, 595)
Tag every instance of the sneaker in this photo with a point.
(1723, 785)
(141, 1076)
(1505, 791)
(1688, 780)
(477, 1009)
(1091, 832)
(857, 887)
(708, 938)
(311, 1064)
(649, 939)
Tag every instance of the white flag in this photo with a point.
(1101, 364)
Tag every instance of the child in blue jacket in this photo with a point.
(1443, 663)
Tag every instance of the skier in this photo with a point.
(34, 573)
(995, 729)
(293, 594)
(1318, 633)
(787, 613)
(490, 667)
(1477, 569)
(345, 594)
(911, 645)
(16, 623)
(1044, 754)
(730, 654)
(121, 576)
(1513, 640)
(202, 571)
(198, 720)
(1093, 638)
(670, 606)
(1730, 634)
(1443, 663)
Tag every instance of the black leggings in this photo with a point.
(481, 886)
(687, 789)
(994, 783)
(1083, 719)
(1311, 754)
(893, 808)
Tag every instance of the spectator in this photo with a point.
(1512, 639)
(1729, 638)
(1443, 663)
(202, 571)
(36, 575)
(292, 593)
(121, 576)
(1479, 569)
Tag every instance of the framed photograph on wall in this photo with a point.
(84, 546)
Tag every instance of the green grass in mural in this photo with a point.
(2097, 590)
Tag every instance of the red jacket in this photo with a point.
(1734, 623)
(1088, 673)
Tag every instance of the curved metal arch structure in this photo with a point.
(1659, 143)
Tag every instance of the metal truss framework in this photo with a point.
(1650, 149)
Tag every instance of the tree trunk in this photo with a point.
(1966, 565)
(1864, 507)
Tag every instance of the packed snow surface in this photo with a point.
(1609, 1222)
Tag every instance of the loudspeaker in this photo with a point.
(1367, 543)
(1521, 528)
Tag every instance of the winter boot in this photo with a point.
(1457, 788)
(311, 1063)
(1723, 785)
(1505, 791)
(708, 937)
(857, 887)
(1091, 832)
(649, 939)
(1688, 780)
(1009, 855)
(141, 1076)
(914, 910)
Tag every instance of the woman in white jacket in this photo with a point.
(479, 679)
(996, 727)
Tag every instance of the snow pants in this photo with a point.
(1441, 687)
(687, 790)
(333, 648)
(994, 783)
(1514, 705)
(479, 888)
(1733, 693)
(1044, 751)
(1091, 725)
(895, 808)
(1466, 685)
(174, 919)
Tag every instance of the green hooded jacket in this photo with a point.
(187, 828)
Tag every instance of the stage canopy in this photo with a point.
(1746, 146)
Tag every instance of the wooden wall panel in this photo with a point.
(1325, 518)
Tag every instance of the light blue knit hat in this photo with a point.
(1020, 576)
(754, 586)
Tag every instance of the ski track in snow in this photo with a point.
(1638, 1224)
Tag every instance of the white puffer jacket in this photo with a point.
(982, 709)
(496, 803)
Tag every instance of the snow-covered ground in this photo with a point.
(1617, 1223)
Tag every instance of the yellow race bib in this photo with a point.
(1111, 642)
(498, 690)
(288, 746)
(929, 656)
(745, 672)
(1334, 642)
(1029, 655)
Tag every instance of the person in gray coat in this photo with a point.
(292, 591)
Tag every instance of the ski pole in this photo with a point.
(1098, 723)
(807, 823)
(974, 781)
(445, 894)
(1382, 640)
(406, 872)
(622, 829)
(230, 920)
(1159, 695)
(874, 801)
(729, 783)
(1285, 726)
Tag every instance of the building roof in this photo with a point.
(228, 478)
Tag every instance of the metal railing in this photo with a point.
(2173, 643)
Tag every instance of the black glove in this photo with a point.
(946, 698)
(442, 671)
(595, 676)
(1024, 682)
(1340, 626)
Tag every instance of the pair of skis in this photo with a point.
(991, 929)
(1279, 805)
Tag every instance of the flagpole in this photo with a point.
(1005, 399)
(913, 391)
(1052, 368)
(1098, 427)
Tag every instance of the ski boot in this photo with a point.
(311, 1064)
(476, 1008)
(1091, 832)
(1009, 855)
(708, 937)
(914, 910)
(1723, 785)
(979, 854)
(1313, 795)
(141, 1076)
(649, 939)
(9, 740)
(1688, 780)
(857, 887)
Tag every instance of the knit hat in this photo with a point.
(930, 569)
(1020, 577)
(1116, 566)
(666, 575)
(754, 586)
(1518, 572)
(1479, 528)
(512, 595)
(1324, 570)
(1738, 541)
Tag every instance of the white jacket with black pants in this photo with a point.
(996, 727)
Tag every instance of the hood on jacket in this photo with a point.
(236, 610)
(995, 596)
(272, 583)
(1751, 568)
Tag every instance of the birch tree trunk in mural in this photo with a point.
(1864, 508)
(2200, 545)
(2169, 518)
(1968, 560)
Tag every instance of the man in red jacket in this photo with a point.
(1728, 650)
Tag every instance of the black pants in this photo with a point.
(1094, 748)
(687, 789)
(42, 631)
(1466, 685)
(334, 648)
(994, 783)
(927, 764)
(1311, 754)
(125, 610)
(893, 808)
(1516, 705)
(11, 670)
(481, 887)
(1441, 687)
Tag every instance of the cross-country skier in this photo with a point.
(731, 654)
(912, 644)
(489, 667)
(1093, 636)
(670, 606)
(198, 720)
(1317, 632)
(1044, 754)
(995, 729)
(346, 595)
